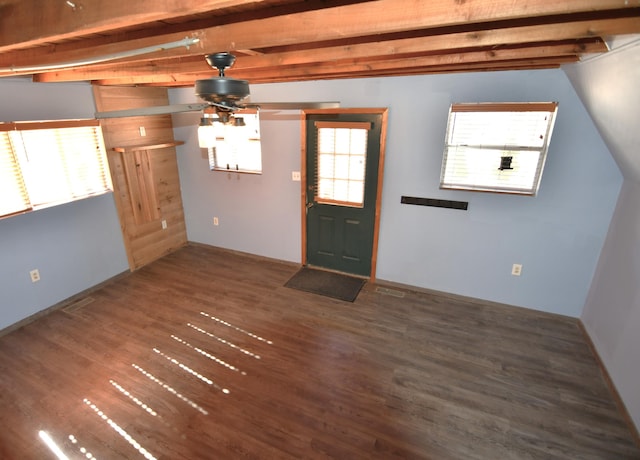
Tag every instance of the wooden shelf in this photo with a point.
(137, 162)
(137, 148)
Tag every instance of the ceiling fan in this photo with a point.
(222, 96)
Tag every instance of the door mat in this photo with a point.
(335, 285)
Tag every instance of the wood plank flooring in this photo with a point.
(204, 354)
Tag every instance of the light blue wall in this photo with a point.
(74, 246)
(258, 214)
(612, 311)
(556, 236)
(609, 87)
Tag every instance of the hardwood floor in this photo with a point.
(204, 354)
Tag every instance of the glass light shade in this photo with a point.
(236, 135)
(206, 136)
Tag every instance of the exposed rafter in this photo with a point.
(289, 40)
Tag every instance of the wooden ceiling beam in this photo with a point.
(18, 63)
(486, 59)
(355, 66)
(456, 41)
(143, 72)
(32, 22)
(444, 44)
(399, 16)
(174, 80)
(189, 64)
(524, 64)
(419, 45)
(299, 40)
(165, 32)
(327, 24)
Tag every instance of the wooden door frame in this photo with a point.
(303, 175)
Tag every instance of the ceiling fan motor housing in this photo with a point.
(222, 90)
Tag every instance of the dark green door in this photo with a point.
(342, 167)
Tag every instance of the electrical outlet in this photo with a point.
(215, 221)
(295, 176)
(35, 275)
(164, 224)
(143, 132)
(516, 269)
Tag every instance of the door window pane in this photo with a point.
(341, 166)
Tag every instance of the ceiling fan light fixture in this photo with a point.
(222, 96)
(206, 133)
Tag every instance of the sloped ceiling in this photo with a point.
(609, 87)
(294, 40)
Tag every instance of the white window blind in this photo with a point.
(341, 162)
(497, 147)
(57, 162)
(237, 148)
(13, 192)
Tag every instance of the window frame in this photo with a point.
(533, 176)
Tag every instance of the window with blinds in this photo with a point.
(237, 147)
(49, 163)
(13, 191)
(498, 147)
(341, 162)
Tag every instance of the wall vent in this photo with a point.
(450, 204)
(78, 304)
(391, 292)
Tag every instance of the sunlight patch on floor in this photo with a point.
(133, 398)
(184, 367)
(226, 342)
(51, 444)
(207, 355)
(118, 429)
(171, 390)
(250, 334)
(83, 450)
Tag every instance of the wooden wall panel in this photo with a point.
(141, 216)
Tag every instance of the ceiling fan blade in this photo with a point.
(292, 105)
(154, 110)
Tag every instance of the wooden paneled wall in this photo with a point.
(146, 192)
